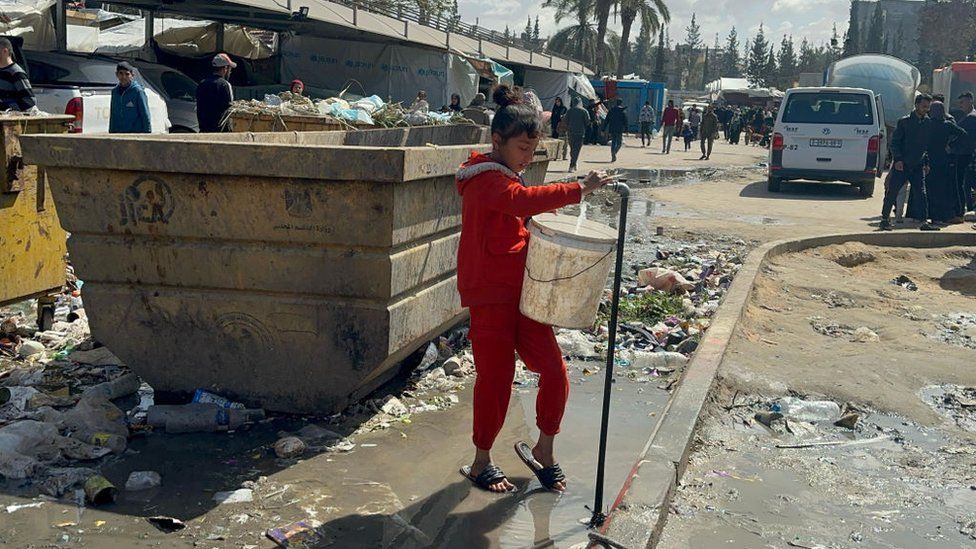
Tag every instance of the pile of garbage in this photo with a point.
(665, 308)
(369, 111)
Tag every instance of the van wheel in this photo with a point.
(772, 183)
(866, 189)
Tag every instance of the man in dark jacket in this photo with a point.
(577, 122)
(129, 106)
(909, 145)
(616, 124)
(709, 129)
(215, 94)
(964, 149)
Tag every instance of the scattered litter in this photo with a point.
(819, 443)
(99, 491)
(906, 283)
(298, 535)
(865, 335)
(200, 417)
(660, 278)
(289, 447)
(206, 397)
(117, 388)
(166, 524)
(807, 410)
(19, 506)
(142, 480)
(241, 495)
(848, 421)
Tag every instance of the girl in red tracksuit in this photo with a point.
(491, 265)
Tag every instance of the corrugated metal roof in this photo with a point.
(331, 19)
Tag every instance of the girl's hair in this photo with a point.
(455, 96)
(514, 116)
(560, 99)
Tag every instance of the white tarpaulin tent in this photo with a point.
(29, 19)
(549, 85)
(389, 71)
(182, 37)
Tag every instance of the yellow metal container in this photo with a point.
(32, 242)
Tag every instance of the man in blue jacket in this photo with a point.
(130, 108)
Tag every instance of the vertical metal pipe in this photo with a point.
(598, 516)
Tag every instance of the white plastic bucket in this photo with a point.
(566, 271)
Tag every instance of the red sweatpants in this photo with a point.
(497, 332)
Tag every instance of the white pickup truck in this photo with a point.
(61, 86)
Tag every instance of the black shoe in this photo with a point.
(885, 225)
(702, 157)
(928, 227)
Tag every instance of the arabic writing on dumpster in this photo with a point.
(146, 200)
(298, 202)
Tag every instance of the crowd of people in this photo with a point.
(932, 155)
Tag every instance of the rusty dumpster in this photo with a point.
(292, 271)
(32, 242)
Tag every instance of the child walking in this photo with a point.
(491, 264)
(688, 134)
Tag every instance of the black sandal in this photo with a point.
(491, 475)
(548, 476)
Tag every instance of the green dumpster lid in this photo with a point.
(565, 226)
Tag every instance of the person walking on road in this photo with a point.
(695, 119)
(709, 129)
(647, 118)
(129, 111)
(215, 94)
(670, 124)
(15, 88)
(577, 122)
(616, 124)
(495, 205)
(909, 147)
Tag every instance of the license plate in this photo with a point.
(828, 143)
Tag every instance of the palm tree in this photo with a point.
(651, 13)
(580, 42)
(602, 8)
(581, 11)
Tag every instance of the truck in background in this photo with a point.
(893, 80)
(952, 81)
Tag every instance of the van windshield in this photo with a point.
(828, 108)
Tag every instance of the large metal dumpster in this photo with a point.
(32, 243)
(287, 270)
(244, 122)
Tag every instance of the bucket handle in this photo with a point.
(558, 279)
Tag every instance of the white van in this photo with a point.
(828, 134)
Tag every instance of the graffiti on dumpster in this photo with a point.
(146, 200)
(298, 202)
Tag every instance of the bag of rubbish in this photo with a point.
(369, 104)
(58, 480)
(18, 466)
(117, 388)
(663, 279)
(27, 437)
(807, 410)
(18, 398)
(142, 480)
(95, 415)
(75, 449)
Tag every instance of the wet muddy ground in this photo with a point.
(904, 476)
(391, 487)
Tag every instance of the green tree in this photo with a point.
(836, 49)
(651, 13)
(642, 53)
(602, 10)
(875, 40)
(807, 61)
(771, 69)
(787, 63)
(757, 64)
(527, 33)
(730, 58)
(581, 11)
(852, 42)
(508, 33)
(660, 59)
(535, 29)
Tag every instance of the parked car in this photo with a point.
(94, 77)
(828, 134)
(179, 91)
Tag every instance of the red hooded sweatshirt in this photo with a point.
(494, 205)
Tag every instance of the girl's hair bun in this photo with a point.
(505, 95)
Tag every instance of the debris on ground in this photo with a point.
(166, 524)
(289, 447)
(954, 402)
(906, 283)
(957, 329)
(143, 480)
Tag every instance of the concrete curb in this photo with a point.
(640, 512)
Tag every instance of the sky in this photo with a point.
(812, 19)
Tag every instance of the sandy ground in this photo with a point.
(913, 488)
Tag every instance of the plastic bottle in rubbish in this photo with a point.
(117, 388)
(207, 397)
(199, 417)
(808, 410)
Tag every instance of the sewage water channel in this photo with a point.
(398, 487)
